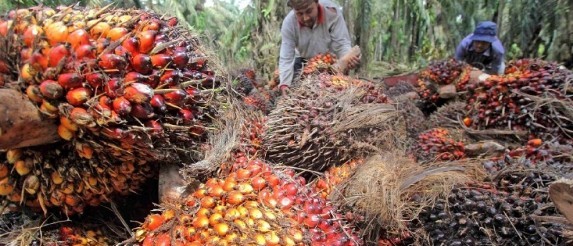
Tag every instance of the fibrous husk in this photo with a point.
(239, 129)
(330, 119)
(449, 115)
(390, 189)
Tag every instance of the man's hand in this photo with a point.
(353, 61)
(284, 89)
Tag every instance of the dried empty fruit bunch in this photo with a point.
(125, 86)
(253, 205)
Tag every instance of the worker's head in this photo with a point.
(306, 11)
(484, 34)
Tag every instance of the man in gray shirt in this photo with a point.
(311, 28)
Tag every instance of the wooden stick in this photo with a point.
(22, 124)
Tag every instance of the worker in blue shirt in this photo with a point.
(482, 49)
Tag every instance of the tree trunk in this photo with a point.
(22, 124)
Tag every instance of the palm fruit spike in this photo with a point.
(306, 127)
(254, 204)
(127, 87)
(513, 101)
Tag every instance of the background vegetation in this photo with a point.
(395, 35)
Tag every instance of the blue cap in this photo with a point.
(485, 31)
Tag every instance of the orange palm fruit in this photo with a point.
(146, 41)
(78, 37)
(57, 53)
(78, 96)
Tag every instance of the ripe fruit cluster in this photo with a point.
(439, 144)
(127, 88)
(319, 64)
(253, 205)
(527, 97)
(441, 73)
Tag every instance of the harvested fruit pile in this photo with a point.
(252, 205)
(127, 88)
(334, 162)
(532, 95)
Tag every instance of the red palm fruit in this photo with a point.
(172, 21)
(95, 80)
(121, 51)
(100, 30)
(186, 115)
(142, 63)
(112, 61)
(146, 40)
(4, 67)
(153, 78)
(81, 117)
(78, 37)
(56, 32)
(112, 87)
(132, 77)
(138, 93)
(117, 33)
(78, 96)
(4, 26)
(51, 89)
(113, 133)
(176, 97)
(57, 53)
(31, 34)
(85, 51)
(33, 92)
(48, 108)
(101, 44)
(131, 44)
(180, 59)
(26, 54)
(170, 77)
(154, 126)
(121, 106)
(153, 24)
(160, 60)
(70, 80)
(142, 111)
(158, 103)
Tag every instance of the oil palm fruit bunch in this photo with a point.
(315, 126)
(531, 96)
(127, 88)
(253, 204)
(43, 179)
(498, 213)
(319, 64)
(440, 144)
(441, 73)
